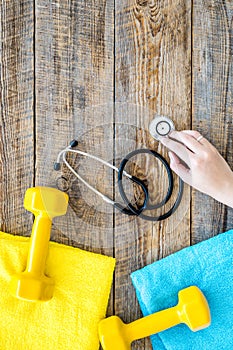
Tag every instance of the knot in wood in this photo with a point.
(142, 3)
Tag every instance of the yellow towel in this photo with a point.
(69, 320)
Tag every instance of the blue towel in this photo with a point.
(207, 265)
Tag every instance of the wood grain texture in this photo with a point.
(212, 102)
(74, 85)
(16, 113)
(152, 75)
(74, 100)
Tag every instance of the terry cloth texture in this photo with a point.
(68, 321)
(207, 265)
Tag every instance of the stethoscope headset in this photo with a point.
(160, 126)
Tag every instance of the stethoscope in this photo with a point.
(160, 126)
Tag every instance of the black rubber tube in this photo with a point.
(168, 194)
(130, 209)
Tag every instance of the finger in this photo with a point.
(180, 150)
(196, 134)
(181, 170)
(188, 140)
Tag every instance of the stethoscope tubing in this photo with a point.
(129, 209)
(169, 191)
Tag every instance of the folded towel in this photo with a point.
(70, 319)
(208, 265)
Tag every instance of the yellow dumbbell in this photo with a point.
(45, 203)
(192, 309)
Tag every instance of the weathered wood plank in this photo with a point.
(16, 113)
(153, 75)
(212, 102)
(74, 99)
(74, 70)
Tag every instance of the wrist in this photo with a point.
(226, 195)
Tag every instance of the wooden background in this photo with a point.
(99, 71)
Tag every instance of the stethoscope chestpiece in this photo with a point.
(161, 126)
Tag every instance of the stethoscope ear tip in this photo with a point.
(57, 166)
(73, 143)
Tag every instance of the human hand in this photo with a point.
(200, 165)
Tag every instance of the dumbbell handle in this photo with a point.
(39, 242)
(152, 324)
